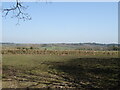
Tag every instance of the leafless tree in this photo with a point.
(18, 11)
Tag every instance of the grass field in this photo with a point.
(63, 71)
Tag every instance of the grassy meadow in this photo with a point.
(60, 69)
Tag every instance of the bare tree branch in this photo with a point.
(18, 11)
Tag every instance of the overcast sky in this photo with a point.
(64, 23)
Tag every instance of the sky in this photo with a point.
(64, 22)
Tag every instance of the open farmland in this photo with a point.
(42, 66)
(34, 68)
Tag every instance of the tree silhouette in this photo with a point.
(18, 11)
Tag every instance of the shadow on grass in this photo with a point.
(78, 73)
(89, 72)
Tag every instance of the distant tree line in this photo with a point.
(26, 48)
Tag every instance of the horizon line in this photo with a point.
(57, 43)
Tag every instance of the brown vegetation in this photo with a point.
(58, 52)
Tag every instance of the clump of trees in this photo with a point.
(31, 47)
(113, 48)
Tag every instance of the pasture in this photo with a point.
(61, 70)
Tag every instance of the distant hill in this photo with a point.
(63, 46)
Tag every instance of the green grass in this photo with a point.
(64, 71)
